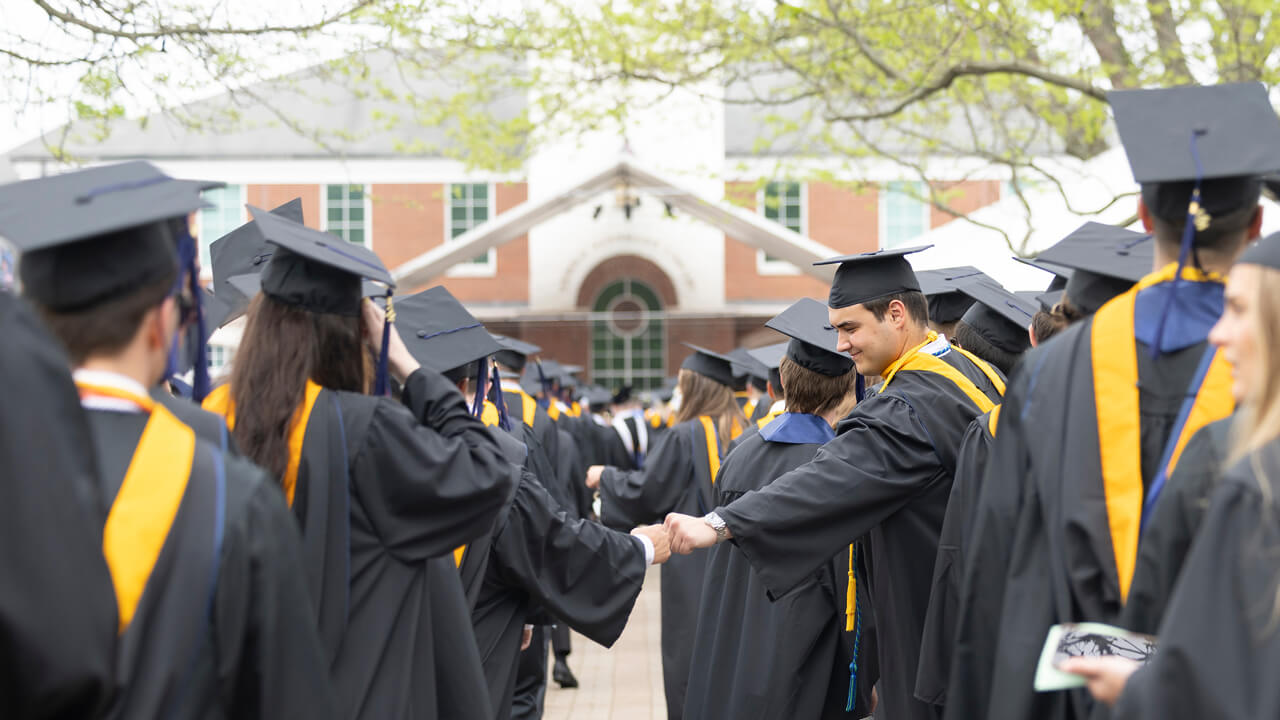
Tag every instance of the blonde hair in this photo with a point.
(1259, 416)
(700, 395)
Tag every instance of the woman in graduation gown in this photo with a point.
(678, 477)
(384, 491)
(766, 657)
(1218, 641)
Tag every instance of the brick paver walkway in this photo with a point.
(623, 682)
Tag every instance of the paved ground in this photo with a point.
(622, 683)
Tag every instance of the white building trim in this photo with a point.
(744, 225)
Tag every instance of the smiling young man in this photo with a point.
(887, 472)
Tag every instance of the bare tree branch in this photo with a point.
(196, 30)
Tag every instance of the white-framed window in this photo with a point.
(347, 213)
(628, 336)
(466, 206)
(226, 214)
(904, 215)
(787, 204)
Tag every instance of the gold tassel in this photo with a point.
(851, 603)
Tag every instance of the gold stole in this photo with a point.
(1115, 387)
(219, 401)
(144, 509)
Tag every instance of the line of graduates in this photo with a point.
(363, 520)
(1017, 461)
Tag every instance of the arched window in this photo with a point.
(628, 337)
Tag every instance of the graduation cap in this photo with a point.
(597, 397)
(322, 273)
(999, 316)
(747, 370)
(514, 353)
(870, 276)
(93, 235)
(942, 289)
(813, 341)
(439, 331)
(1215, 142)
(668, 389)
(1099, 262)
(770, 356)
(244, 251)
(709, 364)
(1263, 253)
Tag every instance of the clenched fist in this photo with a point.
(689, 533)
(657, 534)
(593, 476)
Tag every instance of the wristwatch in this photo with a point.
(717, 523)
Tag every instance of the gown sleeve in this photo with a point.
(880, 461)
(429, 476)
(638, 497)
(579, 571)
(1218, 638)
(270, 661)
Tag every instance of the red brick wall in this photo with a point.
(840, 218)
(269, 196)
(965, 197)
(409, 220)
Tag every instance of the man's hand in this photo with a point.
(688, 533)
(593, 476)
(1106, 676)
(661, 540)
(526, 638)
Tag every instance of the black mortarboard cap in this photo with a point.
(745, 364)
(314, 270)
(514, 353)
(92, 235)
(709, 364)
(622, 395)
(942, 288)
(597, 397)
(870, 276)
(770, 355)
(1104, 261)
(1236, 139)
(243, 251)
(999, 316)
(813, 341)
(439, 331)
(1264, 253)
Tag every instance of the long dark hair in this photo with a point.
(700, 395)
(283, 347)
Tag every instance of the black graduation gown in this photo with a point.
(1218, 645)
(208, 426)
(1040, 548)
(544, 428)
(676, 478)
(887, 474)
(585, 575)
(758, 658)
(57, 607)
(261, 658)
(948, 567)
(385, 493)
(1173, 526)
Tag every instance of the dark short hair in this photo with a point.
(969, 339)
(814, 393)
(914, 300)
(107, 327)
(1224, 233)
(1047, 324)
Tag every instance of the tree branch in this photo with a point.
(972, 69)
(195, 30)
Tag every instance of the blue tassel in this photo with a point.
(545, 402)
(495, 393)
(858, 637)
(859, 387)
(857, 640)
(200, 353)
(1194, 215)
(380, 384)
(482, 381)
